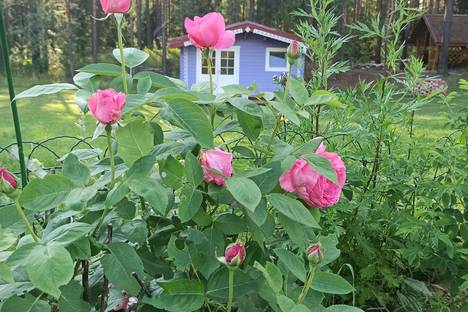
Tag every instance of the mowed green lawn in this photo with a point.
(57, 115)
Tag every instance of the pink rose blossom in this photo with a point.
(116, 6)
(209, 31)
(8, 182)
(316, 190)
(217, 160)
(234, 254)
(293, 52)
(315, 253)
(107, 105)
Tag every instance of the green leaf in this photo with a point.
(132, 56)
(230, 224)
(44, 194)
(322, 165)
(218, 285)
(7, 238)
(179, 295)
(293, 263)
(287, 111)
(144, 85)
(272, 275)
(5, 273)
(298, 91)
(246, 106)
(50, 267)
(135, 140)
(245, 191)
(68, 233)
(331, 283)
(119, 265)
(323, 97)
(251, 125)
(71, 301)
(293, 209)
(190, 203)
(102, 69)
(192, 118)
(27, 304)
(150, 189)
(75, 170)
(342, 308)
(118, 193)
(45, 89)
(298, 233)
(141, 168)
(193, 170)
(158, 80)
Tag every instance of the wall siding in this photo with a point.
(252, 62)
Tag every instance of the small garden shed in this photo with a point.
(427, 37)
(258, 55)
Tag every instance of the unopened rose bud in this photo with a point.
(315, 253)
(293, 52)
(8, 182)
(116, 6)
(234, 254)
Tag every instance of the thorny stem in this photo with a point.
(208, 56)
(122, 58)
(231, 290)
(25, 220)
(85, 279)
(307, 285)
(285, 98)
(111, 154)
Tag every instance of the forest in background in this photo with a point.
(54, 37)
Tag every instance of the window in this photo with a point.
(205, 64)
(276, 59)
(227, 62)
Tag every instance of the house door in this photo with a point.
(225, 67)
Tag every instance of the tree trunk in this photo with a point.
(443, 60)
(70, 49)
(94, 34)
(163, 32)
(378, 44)
(251, 10)
(149, 27)
(139, 30)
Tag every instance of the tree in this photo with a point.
(443, 59)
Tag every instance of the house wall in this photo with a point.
(252, 62)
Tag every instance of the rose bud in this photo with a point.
(234, 254)
(116, 6)
(315, 253)
(8, 182)
(293, 52)
(107, 105)
(214, 161)
(314, 189)
(209, 31)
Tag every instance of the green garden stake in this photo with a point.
(11, 91)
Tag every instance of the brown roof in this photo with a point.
(245, 26)
(434, 23)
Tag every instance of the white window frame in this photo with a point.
(267, 60)
(200, 76)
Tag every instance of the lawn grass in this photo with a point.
(57, 115)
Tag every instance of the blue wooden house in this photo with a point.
(258, 55)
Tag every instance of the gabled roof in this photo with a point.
(434, 23)
(244, 27)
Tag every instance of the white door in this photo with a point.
(225, 67)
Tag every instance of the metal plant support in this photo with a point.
(11, 91)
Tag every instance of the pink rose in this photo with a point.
(293, 52)
(7, 181)
(209, 31)
(315, 253)
(107, 105)
(217, 160)
(116, 6)
(316, 190)
(234, 254)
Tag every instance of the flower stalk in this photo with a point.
(111, 154)
(208, 55)
(231, 289)
(122, 58)
(308, 284)
(25, 220)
